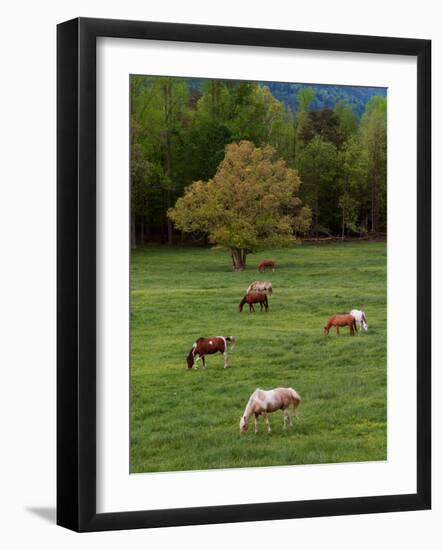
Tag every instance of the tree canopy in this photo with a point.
(251, 202)
(334, 137)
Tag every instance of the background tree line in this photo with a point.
(180, 129)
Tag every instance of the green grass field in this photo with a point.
(187, 420)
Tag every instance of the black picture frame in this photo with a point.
(77, 287)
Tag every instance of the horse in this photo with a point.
(261, 286)
(262, 402)
(254, 298)
(360, 318)
(208, 346)
(341, 320)
(266, 263)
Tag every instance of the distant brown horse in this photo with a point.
(207, 346)
(266, 263)
(345, 320)
(254, 298)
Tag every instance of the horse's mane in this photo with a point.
(250, 401)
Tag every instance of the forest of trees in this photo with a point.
(179, 134)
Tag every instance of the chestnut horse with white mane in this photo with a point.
(262, 402)
(343, 320)
(208, 346)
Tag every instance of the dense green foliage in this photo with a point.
(180, 128)
(251, 203)
(186, 420)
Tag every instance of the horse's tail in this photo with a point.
(296, 400)
(266, 302)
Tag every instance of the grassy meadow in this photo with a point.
(189, 420)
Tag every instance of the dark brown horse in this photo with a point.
(254, 298)
(344, 320)
(208, 346)
(266, 263)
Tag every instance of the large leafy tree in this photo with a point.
(353, 171)
(252, 202)
(159, 117)
(347, 121)
(374, 138)
(318, 165)
(304, 98)
(323, 123)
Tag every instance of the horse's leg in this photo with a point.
(287, 419)
(226, 360)
(256, 422)
(337, 330)
(266, 420)
(204, 361)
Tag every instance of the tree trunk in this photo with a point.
(343, 224)
(244, 256)
(133, 235)
(167, 90)
(238, 259)
(142, 231)
(169, 232)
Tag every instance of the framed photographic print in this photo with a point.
(243, 274)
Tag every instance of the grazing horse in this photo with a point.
(360, 318)
(344, 320)
(266, 263)
(261, 286)
(262, 402)
(254, 298)
(207, 346)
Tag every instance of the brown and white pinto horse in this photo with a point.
(262, 402)
(343, 320)
(208, 346)
(266, 263)
(254, 298)
(261, 286)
